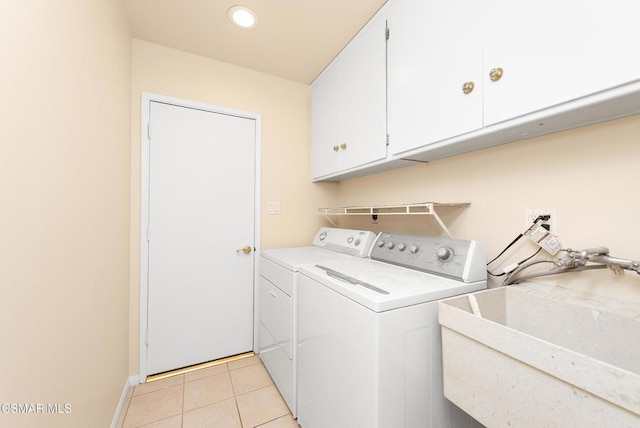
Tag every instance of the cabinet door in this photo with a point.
(326, 117)
(364, 97)
(348, 105)
(556, 51)
(433, 49)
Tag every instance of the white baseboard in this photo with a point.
(130, 382)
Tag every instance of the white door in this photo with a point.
(201, 210)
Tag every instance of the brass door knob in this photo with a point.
(343, 146)
(496, 74)
(246, 249)
(336, 148)
(467, 88)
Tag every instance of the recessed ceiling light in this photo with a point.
(243, 17)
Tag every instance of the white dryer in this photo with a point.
(278, 296)
(369, 347)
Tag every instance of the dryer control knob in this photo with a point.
(390, 245)
(402, 247)
(414, 249)
(444, 253)
(380, 244)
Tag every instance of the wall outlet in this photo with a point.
(531, 214)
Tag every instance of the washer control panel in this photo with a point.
(348, 241)
(455, 258)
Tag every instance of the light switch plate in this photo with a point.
(273, 207)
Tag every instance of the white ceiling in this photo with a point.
(295, 39)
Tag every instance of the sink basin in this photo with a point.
(535, 356)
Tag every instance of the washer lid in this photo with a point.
(293, 258)
(383, 287)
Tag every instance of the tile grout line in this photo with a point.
(235, 398)
(163, 419)
(184, 388)
(271, 420)
(254, 390)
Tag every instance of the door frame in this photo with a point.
(147, 98)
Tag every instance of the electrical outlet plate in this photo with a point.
(532, 213)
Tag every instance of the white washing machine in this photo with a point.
(369, 348)
(278, 309)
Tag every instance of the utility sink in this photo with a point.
(539, 356)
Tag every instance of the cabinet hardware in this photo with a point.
(343, 146)
(336, 148)
(467, 88)
(496, 74)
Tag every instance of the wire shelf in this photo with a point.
(421, 208)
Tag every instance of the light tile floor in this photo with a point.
(239, 394)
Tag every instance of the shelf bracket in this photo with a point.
(441, 223)
(333, 223)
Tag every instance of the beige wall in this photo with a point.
(284, 106)
(589, 175)
(70, 186)
(64, 208)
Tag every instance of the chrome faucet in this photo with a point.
(598, 255)
(574, 261)
(594, 251)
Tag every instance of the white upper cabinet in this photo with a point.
(434, 50)
(552, 52)
(462, 75)
(520, 56)
(348, 105)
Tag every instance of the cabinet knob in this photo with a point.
(496, 74)
(336, 148)
(467, 88)
(343, 146)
